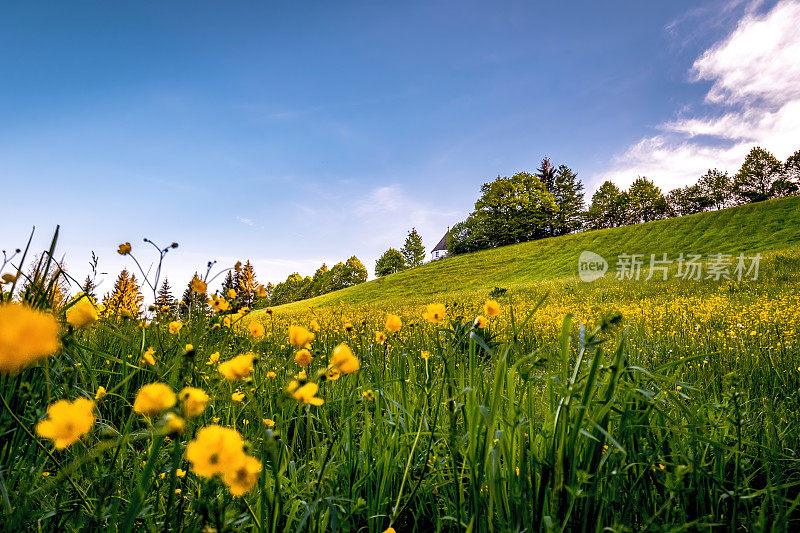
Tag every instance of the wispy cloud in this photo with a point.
(754, 98)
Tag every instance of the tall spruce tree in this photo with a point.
(165, 303)
(567, 190)
(89, 289)
(413, 250)
(125, 299)
(246, 285)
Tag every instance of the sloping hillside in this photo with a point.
(761, 227)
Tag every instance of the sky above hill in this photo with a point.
(294, 134)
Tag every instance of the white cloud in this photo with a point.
(754, 96)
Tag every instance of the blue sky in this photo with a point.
(293, 134)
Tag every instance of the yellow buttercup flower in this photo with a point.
(425, 354)
(237, 396)
(199, 286)
(333, 373)
(305, 393)
(26, 335)
(239, 367)
(193, 401)
(213, 358)
(343, 359)
(271, 374)
(147, 356)
(256, 329)
(314, 325)
(491, 308)
(435, 313)
(299, 336)
(244, 477)
(124, 248)
(173, 424)
(393, 323)
(380, 337)
(82, 313)
(175, 326)
(67, 422)
(231, 294)
(153, 399)
(180, 473)
(219, 304)
(269, 422)
(480, 322)
(188, 347)
(215, 450)
(101, 391)
(302, 357)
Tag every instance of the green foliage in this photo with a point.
(296, 287)
(645, 202)
(608, 209)
(568, 193)
(716, 186)
(165, 302)
(744, 229)
(413, 250)
(389, 262)
(688, 201)
(756, 180)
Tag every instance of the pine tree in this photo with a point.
(546, 173)
(230, 281)
(88, 288)
(246, 285)
(568, 192)
(413, 250)
(165, 303)
(126, 298)
(191, 301)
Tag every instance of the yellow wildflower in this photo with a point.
(299, 336)
(256, 329)
(82, 313)
(26, 336)
(175, 326)
(213, 358)
(147, 356)
(343, 359)
(244, 477)
(67, 422)
(237, 396)
(305, 393)
(193, 401)
(269, 422)
(124, 248)
(271, 375)
(231, 294)
(239, 367)
(480, 322)
(101, 391)
(198, 285)
(380, 337)
(153, 399)
(302, 357)
(215, 450)
(393, 323)
(435, 313)
(491, 308)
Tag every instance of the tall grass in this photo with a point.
(610, 423)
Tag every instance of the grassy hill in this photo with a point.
(762, 227)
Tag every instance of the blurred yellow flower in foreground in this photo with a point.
(153, 399)
(231, 293)
(256, 329)
(175, 326)
(82, 313)
(380, 337)
(237, 396)
(435, 313)
(300, 336)
(147, 356)
(244, 477)
(239, 367)
(193, 401)
(343, 359)
(393, 323)
(305, 393)
(67, 421)
(215, 450)
(302, 357)
(491, 308)
(26, 335)
(480, 322)
(198, 285)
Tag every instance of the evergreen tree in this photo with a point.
(390, 262)
(246, 285)
(192, 302)
(546, 174)
(88, 288)
(413, 250)
(230, 281)
(756, 179)
(568, 192)
(125, 299)
(165, 303)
